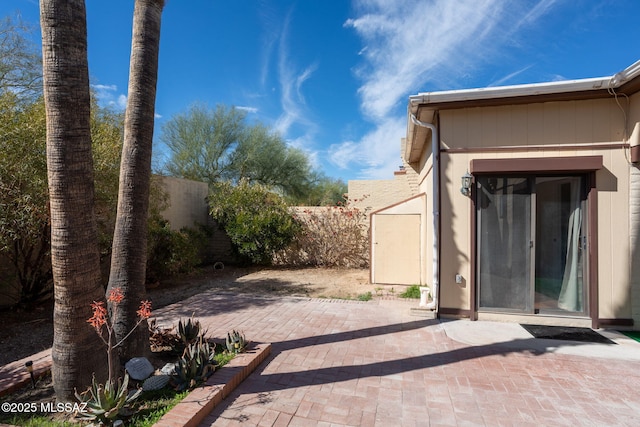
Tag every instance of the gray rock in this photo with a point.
(139, 368)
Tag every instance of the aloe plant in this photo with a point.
(196, 364)
(189, 331)
(104, 402)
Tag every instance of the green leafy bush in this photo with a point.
(171, 252)
(257, 221)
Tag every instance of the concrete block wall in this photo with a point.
(187, 202)
(377, 194)
(188, 207)
(380, 193)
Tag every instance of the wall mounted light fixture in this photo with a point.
(467, 179)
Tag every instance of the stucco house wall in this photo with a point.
(555, 129)
(588, 129)
(634, 210)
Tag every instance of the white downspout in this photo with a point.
(435, 194)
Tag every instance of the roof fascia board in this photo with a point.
(514, 100)
(517, 91)
(626, 81)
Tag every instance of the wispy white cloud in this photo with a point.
(270, 34)
(250, 110)
(505, 79)
(108, 95)
(291, 80)
(122, 101)
(411, 42)
(532, 16)
(306, 144)
(557, 78)
(376, 154)
(411, 45)
(106, 88)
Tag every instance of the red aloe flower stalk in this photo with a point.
(101, 319)
(115, 296)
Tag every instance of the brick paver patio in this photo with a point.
(348, 363)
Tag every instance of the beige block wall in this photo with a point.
(187, 202)
(377, 194)
(188, 207)
(541, 128)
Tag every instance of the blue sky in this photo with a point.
(334, 77)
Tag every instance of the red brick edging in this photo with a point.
(201, 401)
(14, 375)
(189, 412)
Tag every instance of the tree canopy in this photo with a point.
(216, 145)
(20, 62)
(24, 199)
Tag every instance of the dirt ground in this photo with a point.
(28, 332)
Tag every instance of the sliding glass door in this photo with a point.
(531, 244)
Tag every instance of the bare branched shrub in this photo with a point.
(331, 236)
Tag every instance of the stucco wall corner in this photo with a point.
(634, 243)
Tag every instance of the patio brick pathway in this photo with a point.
(348, 363)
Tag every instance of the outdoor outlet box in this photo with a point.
(458, 278)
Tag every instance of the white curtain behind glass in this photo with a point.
(571, 298)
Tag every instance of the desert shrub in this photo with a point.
(367, 296)
(257, 221)
(171, 252)
(331, 236)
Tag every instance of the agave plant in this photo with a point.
(196, 364)
(235, 342)
(104, 402)
(189, 331)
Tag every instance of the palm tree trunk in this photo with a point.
(129, 255)
(77, 350)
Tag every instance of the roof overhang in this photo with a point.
(424, 106)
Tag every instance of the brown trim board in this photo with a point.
(635, 154)
(615, 322)
(533, 148)
(592, 240)
(537, 164)
(457, 312)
